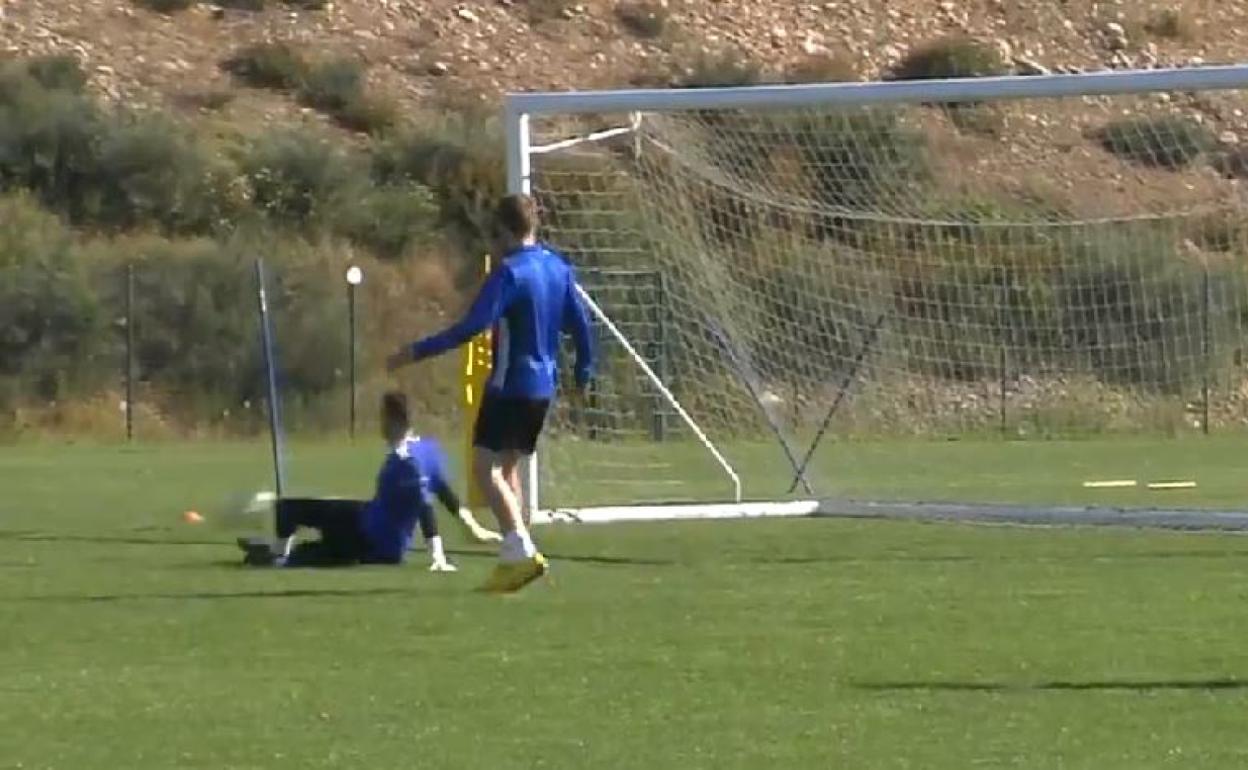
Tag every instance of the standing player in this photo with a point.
(529, 299)
(381, 530)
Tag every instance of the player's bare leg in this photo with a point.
(519, 562)
(487, 471)
(513, 464)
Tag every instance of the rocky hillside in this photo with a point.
(423, 50)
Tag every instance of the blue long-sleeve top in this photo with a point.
(529, 300)
(413, 474)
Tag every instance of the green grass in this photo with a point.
(131, 640)
(993, 471)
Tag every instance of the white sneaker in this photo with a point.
(443, 566)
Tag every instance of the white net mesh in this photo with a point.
(1029, 268)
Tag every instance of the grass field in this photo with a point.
(1033, 472)
(132, 640)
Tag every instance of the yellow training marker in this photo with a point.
(477, 360)
(1111, 484)
(1157, 485)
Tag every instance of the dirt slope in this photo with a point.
(421, 48)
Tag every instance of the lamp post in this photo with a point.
(130, 352)
(355, 276)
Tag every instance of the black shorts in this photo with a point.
(510, 424)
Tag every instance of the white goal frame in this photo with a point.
(520, 108)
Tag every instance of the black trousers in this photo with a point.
(339, 523)
(341, 527)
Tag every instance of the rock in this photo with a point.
(439, 68)
(812, 47)
(1115, 36)
(467, 15)
(1228, 137)
(1025, 66)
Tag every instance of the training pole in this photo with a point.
(270, 373)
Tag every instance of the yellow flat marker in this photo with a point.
(1160, 485)
(1110, 484)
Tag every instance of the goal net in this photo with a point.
(793, 270)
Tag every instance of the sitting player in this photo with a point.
(381, 530)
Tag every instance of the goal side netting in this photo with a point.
(786, 270)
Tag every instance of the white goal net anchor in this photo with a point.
(771, 265)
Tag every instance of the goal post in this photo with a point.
(907, 261)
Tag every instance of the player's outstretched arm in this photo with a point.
(576, 323)
(486, 309)
(442, 490)
(472, 528)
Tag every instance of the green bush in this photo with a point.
(644, 19)
(391, 220)
(861, 159)
(1171, 142)
(1127, 335)
(368, 113)
(49, 143)
(954, 57)
(1232, 162)
(542, 11)
(199, 324)
(278, 66)
(165, 6)
(331, 85)
(581, 194)
(978, 119)
(1219, 231)
(725, 68)
(210, 100)
(820, 68)
(196, 329)
(171, 6)
(1066, 299)
(1171, 24)
(337, 88)
(152, 171)
(303, 181)
(52, 327)
(57, 72)
(458, 157)
(316, 187)
(118, 173)
(958, 57)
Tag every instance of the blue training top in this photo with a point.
(528, 299)
(411, 475)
